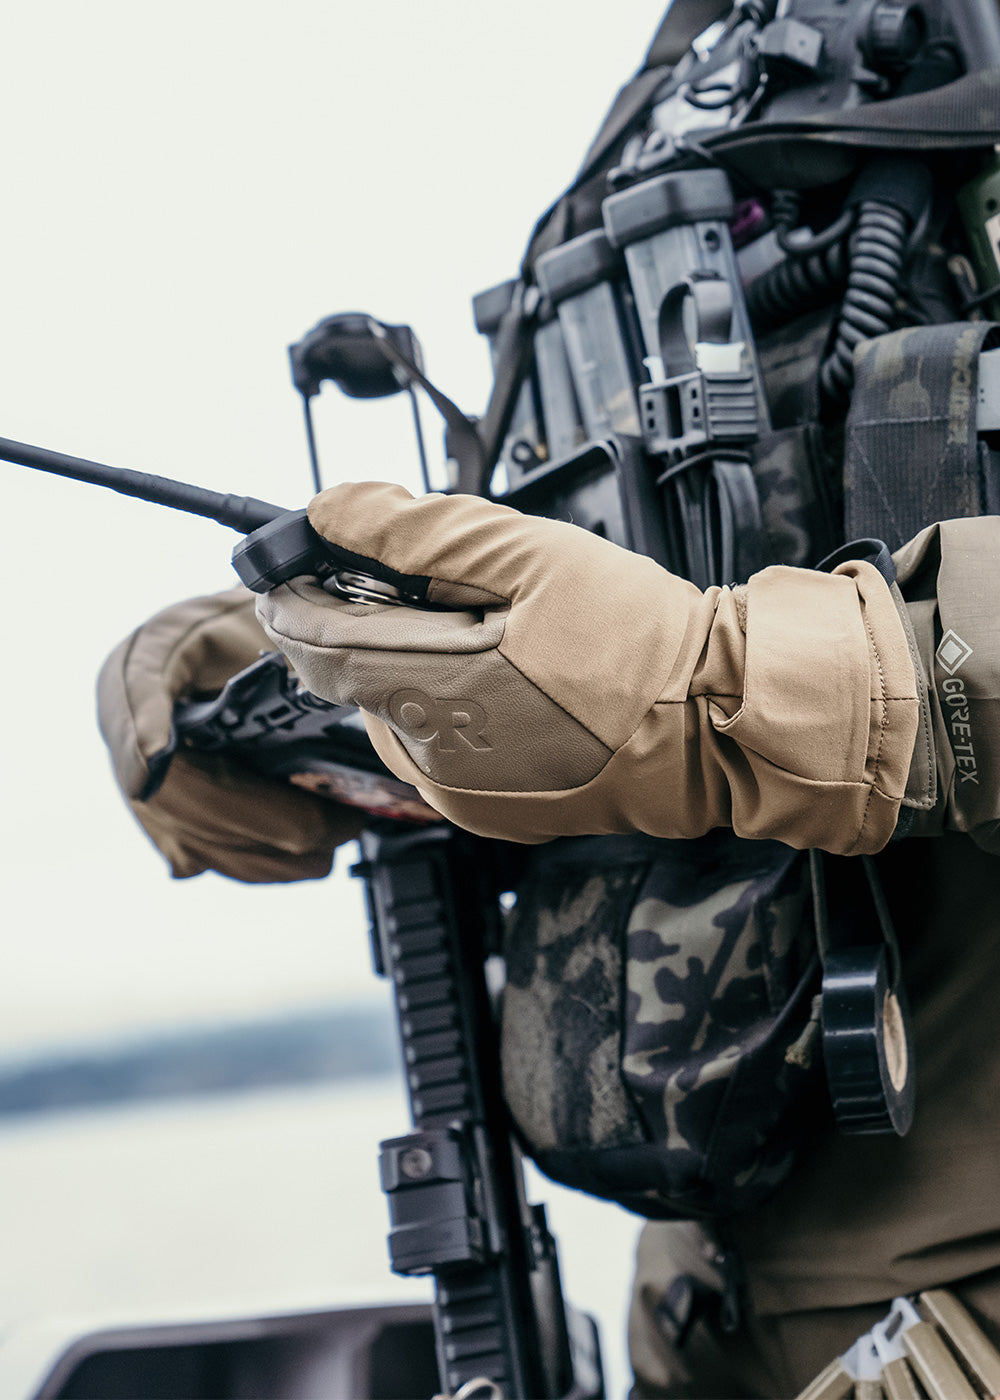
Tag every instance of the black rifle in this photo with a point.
(455, 1184)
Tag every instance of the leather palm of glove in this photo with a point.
(207, 811)
(573, 687)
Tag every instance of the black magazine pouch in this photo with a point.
(660, 1035)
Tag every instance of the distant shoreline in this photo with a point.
(316, 1047)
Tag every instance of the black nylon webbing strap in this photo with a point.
(464, 441)
(515, 346)
(961, 115)
(911, 452)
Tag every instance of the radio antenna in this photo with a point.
(242, 513)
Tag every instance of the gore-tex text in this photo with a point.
(957, 710)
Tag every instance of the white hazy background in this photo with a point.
(187, 189)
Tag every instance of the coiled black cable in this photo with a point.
(798, 284)
(801, 242)
(815, 266)
(876, 251)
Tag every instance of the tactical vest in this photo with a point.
(731, 347)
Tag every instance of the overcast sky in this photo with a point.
(187, 189)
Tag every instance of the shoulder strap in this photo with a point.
(960, 115)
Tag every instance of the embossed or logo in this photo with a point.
(423, 718)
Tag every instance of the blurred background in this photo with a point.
(194, 1076)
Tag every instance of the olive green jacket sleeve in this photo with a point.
(948, 576)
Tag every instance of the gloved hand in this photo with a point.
(579, 688)
(206, 811)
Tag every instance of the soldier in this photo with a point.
(670, 750)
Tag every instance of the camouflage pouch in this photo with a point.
(914, 455)
(797, 465)
(659, 1033)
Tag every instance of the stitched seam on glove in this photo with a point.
(883, 724)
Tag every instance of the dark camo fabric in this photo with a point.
(658, 1040)
(795, 466)
(911, 432)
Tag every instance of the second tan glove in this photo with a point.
(576, 688)
(207, 811)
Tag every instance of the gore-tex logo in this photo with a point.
(952, 652)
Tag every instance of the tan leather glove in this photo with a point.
(205, 811)
(580, 688)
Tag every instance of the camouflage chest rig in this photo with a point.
(661, 1034)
